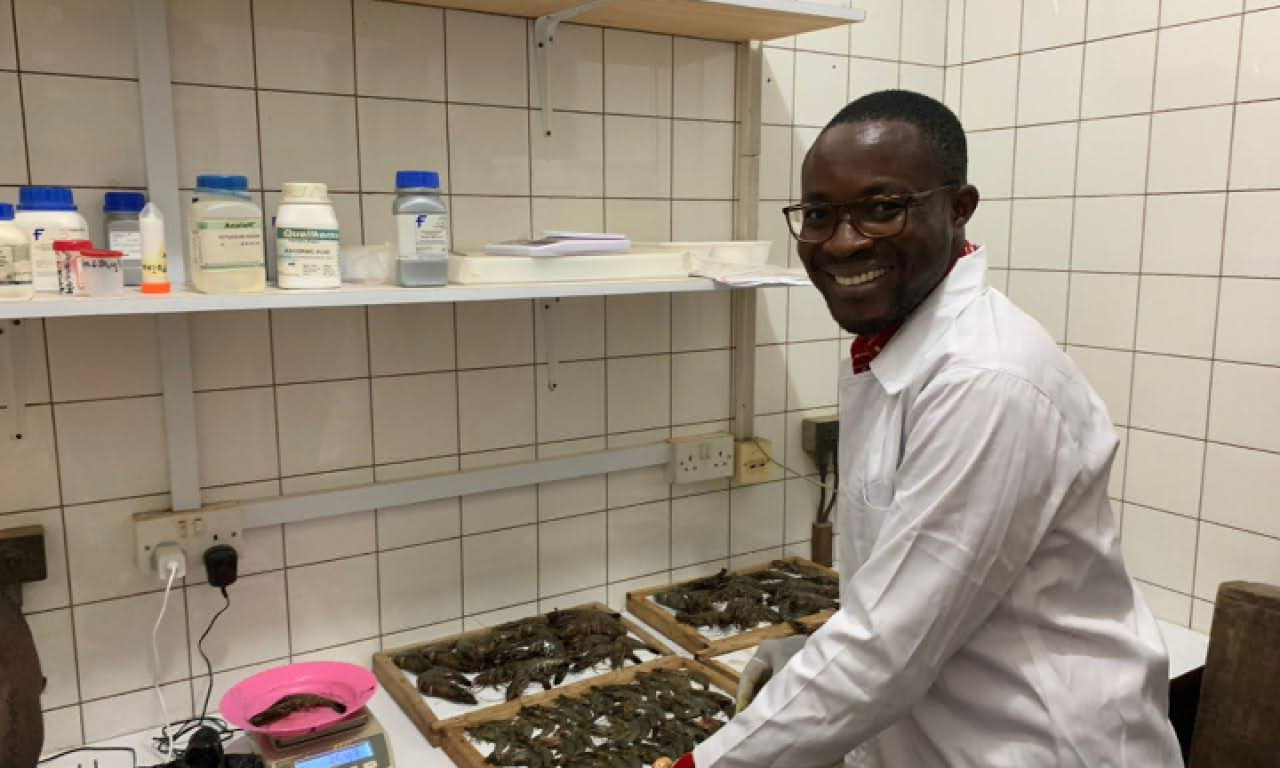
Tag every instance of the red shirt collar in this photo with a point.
(865, 348)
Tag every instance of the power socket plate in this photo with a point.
(193, 531)
(702, 457)
(752, 464)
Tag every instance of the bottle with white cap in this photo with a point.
(307, 238)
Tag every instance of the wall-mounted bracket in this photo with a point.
(550, 322)
(544, 34)
(13, 382)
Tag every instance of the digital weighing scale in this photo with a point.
(355, 741)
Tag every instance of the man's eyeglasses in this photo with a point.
(875, 217)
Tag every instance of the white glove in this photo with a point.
(771, 657)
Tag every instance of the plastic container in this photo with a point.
(68, 254)
(15, 259)
(422, 229)
(124, 234)
(155, 261)
(307, 238)
(48, 214)
(369, 264)
(227, 253)
(101, 273)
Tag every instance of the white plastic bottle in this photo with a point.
(15, 259)
(227, 254)
(307, 238)
(48, 214)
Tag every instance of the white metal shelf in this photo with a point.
(186, 301)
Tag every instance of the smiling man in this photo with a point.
(986, 617)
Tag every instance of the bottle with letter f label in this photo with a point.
(422, 229)
(48, 214)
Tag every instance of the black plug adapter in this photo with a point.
(220, 565)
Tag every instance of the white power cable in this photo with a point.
(155, 655)
(785, 468)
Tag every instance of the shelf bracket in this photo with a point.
(550, 329)
(13, 388)
(544, 34)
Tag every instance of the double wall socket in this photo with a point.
(192, 531)
(704, 457)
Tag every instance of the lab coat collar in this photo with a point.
(914, 346)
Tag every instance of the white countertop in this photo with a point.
(1187, 651)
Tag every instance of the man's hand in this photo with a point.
(771, 656)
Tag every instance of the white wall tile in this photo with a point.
(1113, 156)
(1166, 604)
(921, 79)
(290, 154)
(577, 69)
(499, 509)
(638, 76)
(639, 540)
(991, 163)
(420, 585)
(93, 467)
(771, 316)
(566, 498)
(1197, 64)
(486, 59)
(812, 374)
(703, 220)
(1225, 554)
(55, 646)
(494, 158)
(1115, 484)
(62, 729)
(324, 426)
(578, 325)
(871, 75)
(422, 635)
(495, 408)
(802, 139)
(1045, 162)
(638, 486)
(990, 94)
(571, 160)
(700, 386)
(304, 46)
(1244, 410)
(703, 160)
(639, 393)
(1049, 23)
(991, 28)
(924, 31)
(13, 142)
(415, 417)
(499, 569)
(1255, 160)
(831, 40)
(230, 349)
(359, 653)
(1110, 373)
(771, 378)
(1108, 234)
(1182, 11)
(990, 227)
(333, 603)
(493, 333)
(576, 407)
(952, 82)
(66, 150)
(132, 712)
(1259, 58)
(1119, 76)
(1159, 547)
(418, 523)
(110, 633)
(1240, 489)
(638, 325)
(1171, 394)
(1184, 234)
(319, 344)
(478, 221)
(704, 79)
(1043, 295)
(821, 87)
(638, 154)
(1041, 234)
(1176, 315)
(253, 630)
(700, 321)
(411, 338)
(399, 50)
(1252, 230)
(236, 435)
(1163, 472)
(395, 135)
(699, 528)
(1202, 616)
(775, 162)
(756, 517)
(879, 36)
(99, 357)
(1247, 306)
(1103, 310)
(808, 318)
(1107, 19)
(211, 42)
(571, 554)
(217, 131)
(573, 214)
(329, 538)
(100, 549)
(1049, 85)
(778, 86)
(955, 31)
(642, 220)
(79, 37)
(1189, 150)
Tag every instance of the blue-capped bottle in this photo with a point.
(227, 247)
(47, 215)
(422, 229)
(15, 258)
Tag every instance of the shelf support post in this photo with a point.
(746, 225)
(544, 34)
(551, 319)
(13, 389)
(179, 410)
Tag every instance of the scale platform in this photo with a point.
(355, 741)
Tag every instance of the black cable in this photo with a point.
(133, 755)
(822, 487)
(191, 725)
(825, 517)
(208, 692)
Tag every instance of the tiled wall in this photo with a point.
(346, 92)
(1127, 156)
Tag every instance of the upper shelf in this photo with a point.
(135, 303)
(732, 20)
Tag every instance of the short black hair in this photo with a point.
(938, 125)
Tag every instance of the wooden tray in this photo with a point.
(702, 647)
(459, 748)
(417, 707)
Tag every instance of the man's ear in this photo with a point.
(963, 204)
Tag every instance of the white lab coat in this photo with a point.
(986, 618)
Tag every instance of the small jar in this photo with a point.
(102, 273)
(67, 255)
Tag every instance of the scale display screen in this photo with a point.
(342, 757)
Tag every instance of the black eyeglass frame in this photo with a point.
(908, 200)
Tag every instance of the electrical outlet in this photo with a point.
(704, 457)
(820, 438)
(193, 531)
(752, 464)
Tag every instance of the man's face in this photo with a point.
(859, 160)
